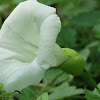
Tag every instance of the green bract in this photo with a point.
(74, 63)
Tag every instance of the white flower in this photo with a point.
(27, 45)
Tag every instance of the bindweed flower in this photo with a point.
(27, 45)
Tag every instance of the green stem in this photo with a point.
(89, 80)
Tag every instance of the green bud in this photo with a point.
(74, 63)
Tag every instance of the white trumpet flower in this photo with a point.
(27, 45)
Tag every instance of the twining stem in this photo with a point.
(89, 80)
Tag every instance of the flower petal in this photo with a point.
(59, 56)
(17, 75)
(48, 34)
(21, 30)
(29, 25)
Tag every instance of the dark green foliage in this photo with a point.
(63, 37)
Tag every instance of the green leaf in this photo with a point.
(17, 1)
(28, 93)
(65, 77)
(63, 85)
(51, 74)
(95, 90)
(91, 96)
(87, 5)
(93, 44)
(86, 19)
(76, 2)
(2, 7)
(44, 96)
(6, 95)
(64, 91)
(85, 53)
(67, 37)
(1, 86)
(97, 31)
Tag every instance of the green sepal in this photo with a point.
(74, 63)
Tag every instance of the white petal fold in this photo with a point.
(17, 75)
(48, 34)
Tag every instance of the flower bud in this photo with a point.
(74, 63)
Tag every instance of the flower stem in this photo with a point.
(86, 76)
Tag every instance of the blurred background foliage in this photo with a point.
(81, 32)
